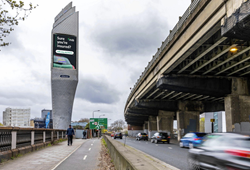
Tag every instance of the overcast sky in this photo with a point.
(117, 40)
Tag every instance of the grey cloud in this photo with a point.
(138, 35)
(97, 91)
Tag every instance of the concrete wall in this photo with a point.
(79, 134)
(116, 153)
(133, 133)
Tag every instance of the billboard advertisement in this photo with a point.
(64, 51)
(98, 123)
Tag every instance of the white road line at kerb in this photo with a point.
(169, 148)
(89, 149)
(84, 157)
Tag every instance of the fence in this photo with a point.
(15, 138)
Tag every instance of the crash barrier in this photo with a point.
(15, 140)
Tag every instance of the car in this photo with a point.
(191, 140)
(141, 136)
(227, 151)
(118, 135)
(62, 62)
(160, 137)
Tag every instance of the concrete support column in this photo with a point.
(152, 126)
(237, 106)
(165, 121)
(145, 127)
(187, 121)
(237, 113)
(44, 136)
(57, 135)
(188, 117)
(62, 135)
(134, 130)
(32, 137)
(13, 139)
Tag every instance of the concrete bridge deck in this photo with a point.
(195, 70)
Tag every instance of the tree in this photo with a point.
(117, 125)
(84, 120)
(87, 126)
(8, 20)
(1, 124)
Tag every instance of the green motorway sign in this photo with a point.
(98, 123)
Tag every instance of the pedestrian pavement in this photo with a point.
(50, 157)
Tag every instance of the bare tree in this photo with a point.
(84, 120)
(8, 20)
(118, 125)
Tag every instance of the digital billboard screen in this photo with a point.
(64, 51)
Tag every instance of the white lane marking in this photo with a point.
(139, 141)
(91, 144)
(84, 157)
(156, 144)
(89, 149)
(66, 157)
(169, 148)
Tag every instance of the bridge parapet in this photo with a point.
(16, 138)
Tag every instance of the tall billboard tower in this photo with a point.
(64, 65)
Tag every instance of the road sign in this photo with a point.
(212, 120)
(98, 123)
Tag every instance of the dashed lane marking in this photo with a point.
(89, 149)
(169, 148)
(66, 157)
(84, 157)
(156, 144)
(91, 144)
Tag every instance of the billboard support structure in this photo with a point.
(64, 65)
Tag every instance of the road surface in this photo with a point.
(170, 153)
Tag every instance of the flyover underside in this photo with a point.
(199, 72)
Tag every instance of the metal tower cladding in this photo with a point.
(64, 65)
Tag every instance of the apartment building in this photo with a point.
(16, 117)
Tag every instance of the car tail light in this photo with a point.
(169, 137)
(146, 135)
(240, 153)
(196, 138)
(158, 136)
(73, 67)
(139, 135)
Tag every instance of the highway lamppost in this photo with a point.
(94, 112)
(101, 115)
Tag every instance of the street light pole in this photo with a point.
(101, 115)
(94, 111)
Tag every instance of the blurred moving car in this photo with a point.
(62, 62)
(160, 137)
(227, 151)
(141, 136)
(192, 140)
(112, 134)
(118, 135)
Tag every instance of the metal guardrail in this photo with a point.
(22, 137)
(167, 40)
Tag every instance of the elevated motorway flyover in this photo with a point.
(202, 66)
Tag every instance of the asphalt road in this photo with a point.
(170, 153)
(86, 157)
